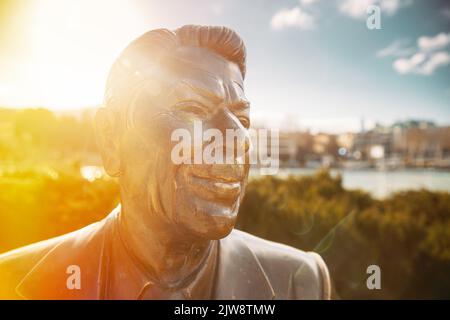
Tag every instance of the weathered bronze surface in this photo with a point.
(172, 237)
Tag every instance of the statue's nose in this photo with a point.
(224, 120)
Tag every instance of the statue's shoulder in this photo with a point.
(293, 273)
(56, 253)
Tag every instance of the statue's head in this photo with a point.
(167, 81)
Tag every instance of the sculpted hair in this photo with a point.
(130, 71)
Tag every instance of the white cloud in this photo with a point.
(398, 48)
(295, 17)
(307, 2)
(434, 43)
(408, 65)
(355, 8)
(392, 6)
(298, 17)
(422, 63)
(438, 59)
(424, 59)
(358, 8)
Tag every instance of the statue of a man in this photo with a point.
(172, 236)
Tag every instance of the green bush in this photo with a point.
(407, 235)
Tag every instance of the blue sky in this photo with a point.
(311, 63)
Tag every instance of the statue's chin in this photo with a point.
(221, 229)
(216, 233)
(207, 219)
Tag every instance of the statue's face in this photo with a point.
(197, 199)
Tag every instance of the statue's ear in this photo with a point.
(108, 141)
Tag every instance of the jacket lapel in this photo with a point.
(240, 275)
(85, 249)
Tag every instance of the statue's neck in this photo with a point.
(166, 253)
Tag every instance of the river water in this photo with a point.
(382, 183)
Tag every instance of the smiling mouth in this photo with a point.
(214, 189)
(225, 190)
(221, 185)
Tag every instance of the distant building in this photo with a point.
(411, 143)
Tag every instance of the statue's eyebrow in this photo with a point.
(214, 94)
(240, 105)
(204, 92)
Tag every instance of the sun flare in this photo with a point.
(61, 55)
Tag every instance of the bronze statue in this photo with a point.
(172, 237)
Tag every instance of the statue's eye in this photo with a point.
(245, 121)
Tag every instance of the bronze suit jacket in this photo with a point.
(247, 267)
